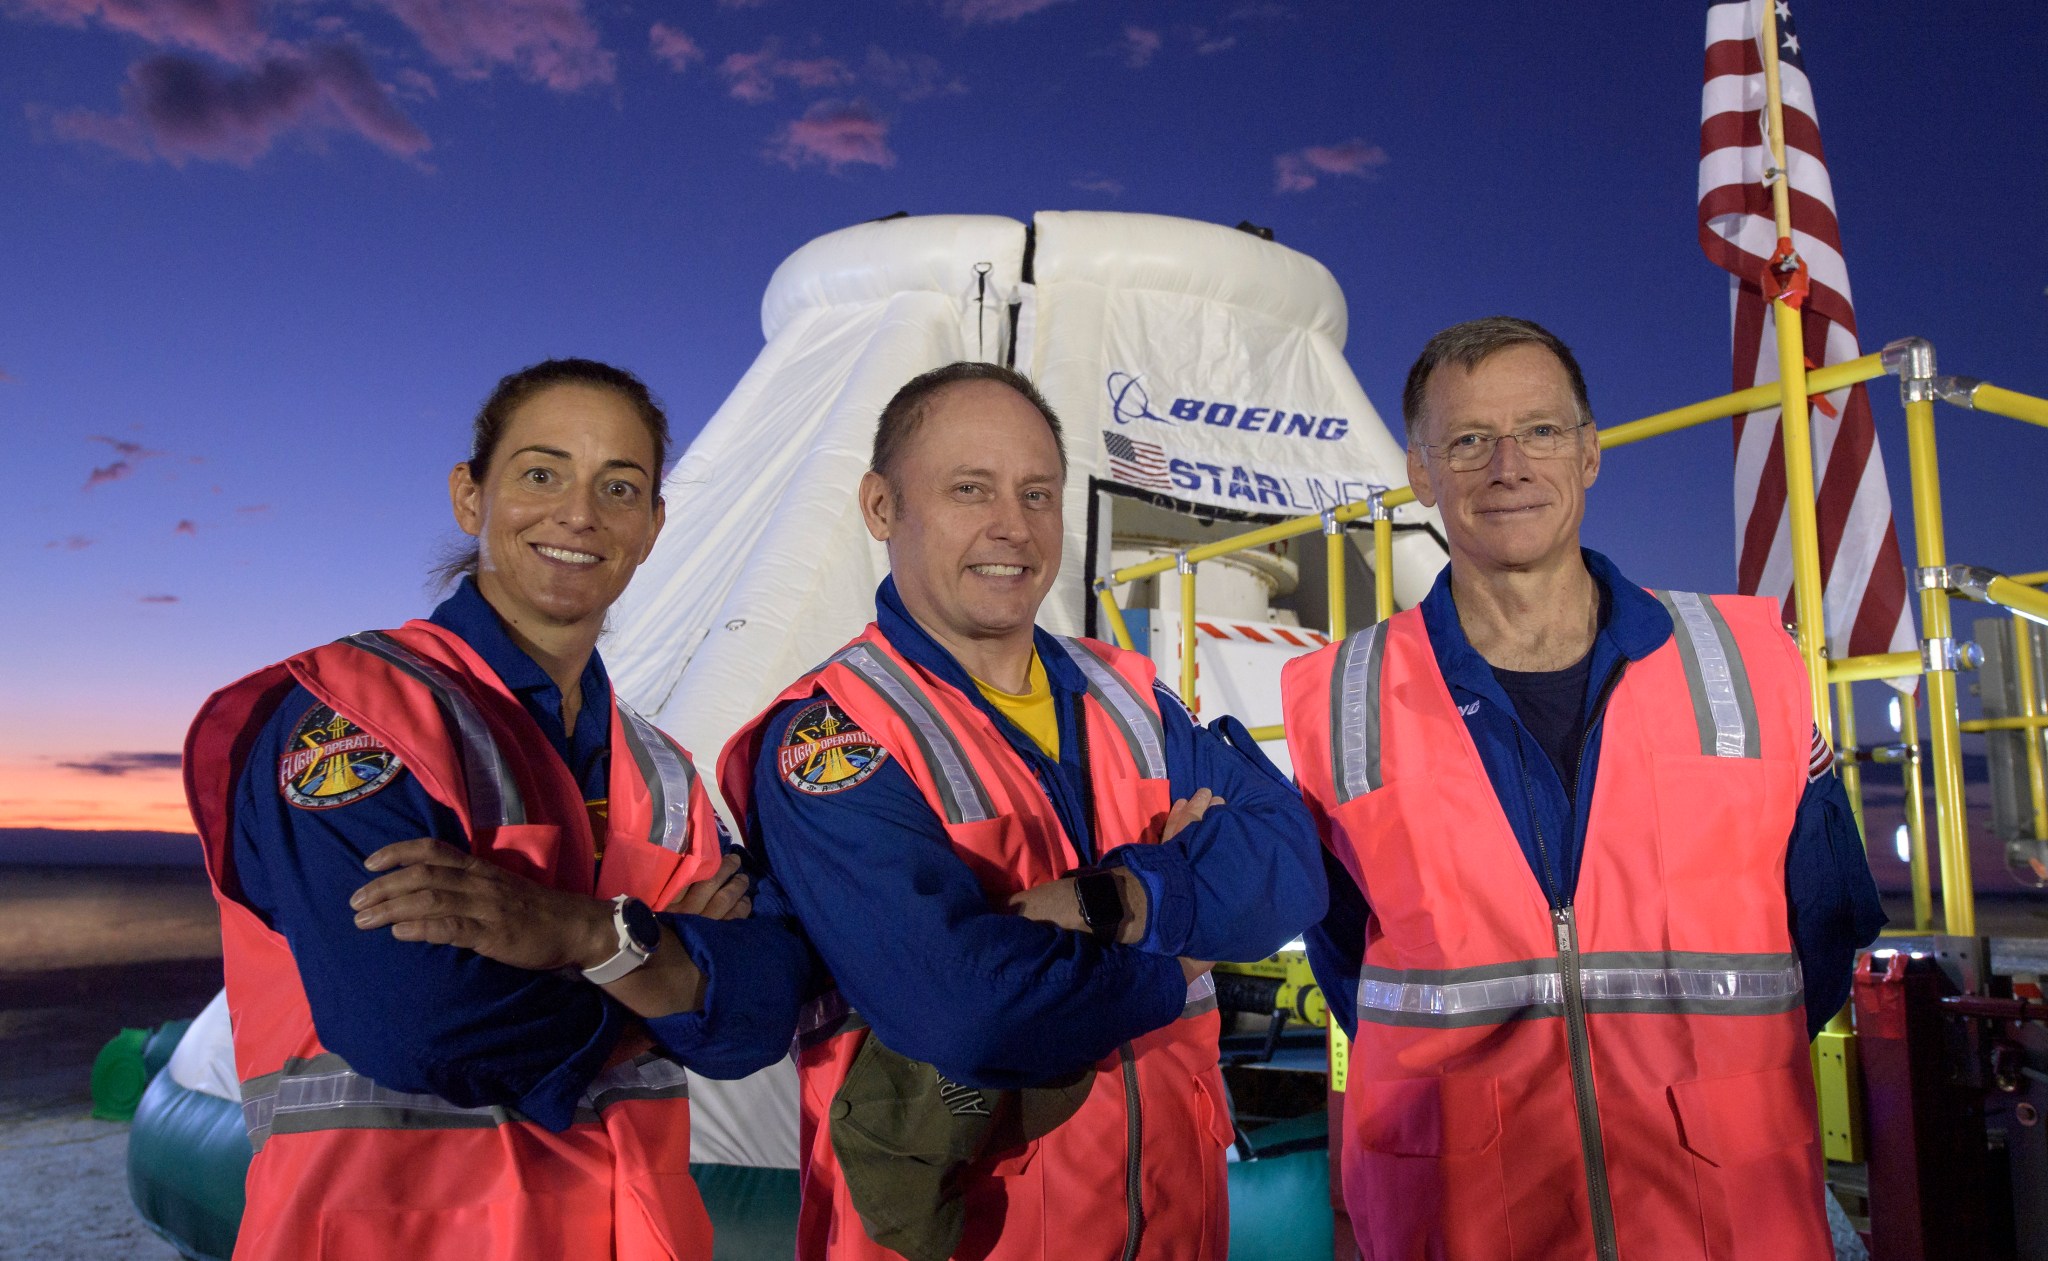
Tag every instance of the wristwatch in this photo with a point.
(639, 937)
(1102, 904)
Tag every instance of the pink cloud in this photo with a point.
(752, 76)
(1301, 170)
(1205, 46)
(836, 134)
(1095, 184)
(5, 376)
(673, 47)
(547, 41)
(983, 12)
(128, 450)
(1140, 45)
(75, 543)
(253, 510)
(179, 109)
(231, 30)
(109, 473)
(159, 599)
(911, 77)
(186, 528)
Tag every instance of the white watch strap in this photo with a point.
(629, 956)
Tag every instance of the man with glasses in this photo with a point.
(1593, 881)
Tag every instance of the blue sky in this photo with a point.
(267, 257)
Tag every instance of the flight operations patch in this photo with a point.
(823, 752)
(331, 762)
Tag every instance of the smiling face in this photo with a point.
(1515, 513)
(566, 511)
(971, 514)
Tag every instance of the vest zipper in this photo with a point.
(1588, 1106)
(1134, 1160)
(1134, 1113)
(1578, 1042)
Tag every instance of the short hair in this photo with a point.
(1469, 344)
(906, 412)
(511, 393)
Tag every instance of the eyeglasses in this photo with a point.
(1545, 441)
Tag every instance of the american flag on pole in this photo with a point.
(1866, 608)
(1135, 463)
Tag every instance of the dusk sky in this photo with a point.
(260, 261)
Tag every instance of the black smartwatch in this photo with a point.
(1102, 904)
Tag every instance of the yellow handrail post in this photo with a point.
(1915, 360)
(1382, 556)
(1794, 428)
(1916, 813)
(1186, 569)
(2023, 673)
(1852, 770)
(1333, 560)
(1114, 616)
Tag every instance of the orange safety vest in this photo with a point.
(345, 1168)
(1623, 1076)
(1139, 1170)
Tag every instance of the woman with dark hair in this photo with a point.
(460, 1021)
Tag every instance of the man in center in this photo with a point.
(1013, 853)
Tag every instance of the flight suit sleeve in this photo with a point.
(989, 998)
(1247, 878)
(1829, 892)
(412, 1016)
(754, 974)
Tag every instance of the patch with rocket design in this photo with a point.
(823, 752)
(330, 762)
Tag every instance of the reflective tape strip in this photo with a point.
(1673, 983)
(668, 776)
(1355, 713)
(324, 1093)
(494, 796)
(1135, 719)
(960, 789)
(1721, 699)
(1201, 996)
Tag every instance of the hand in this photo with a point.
(721, 895)
(436, 893)
(1056, 903)
(1193, 968)
(1189, 810)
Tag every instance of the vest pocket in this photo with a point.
(1423, 1170)
(1427, 1116)
(1756, 1161)
(1728, 1121)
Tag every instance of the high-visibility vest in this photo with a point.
(1139, 1170)
(345, 1168)
(1625, 1075)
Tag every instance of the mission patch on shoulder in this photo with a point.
(331, 762)
(823, 752)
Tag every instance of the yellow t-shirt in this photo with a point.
(1032, 710)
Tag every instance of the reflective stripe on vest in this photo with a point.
(1355, 712)
(494, 795)
(668, 776)
(1721, 698)
(1673, 982)
(324, 1093)
(1137, 721)
(960, 790)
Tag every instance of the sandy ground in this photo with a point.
(85, 952)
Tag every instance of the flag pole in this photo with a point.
(1795, 430)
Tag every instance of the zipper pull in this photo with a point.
(1562, 919)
